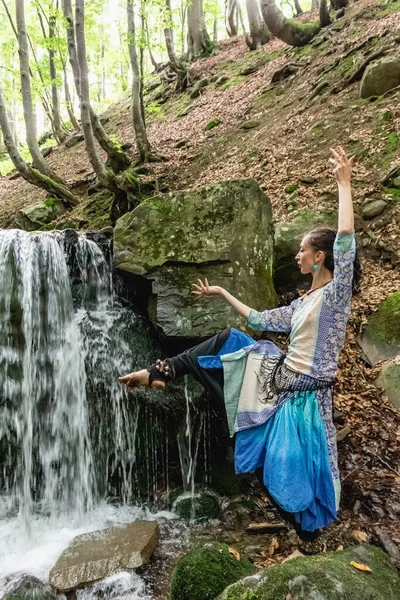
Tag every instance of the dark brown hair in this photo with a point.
(323, 238)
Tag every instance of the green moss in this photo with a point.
(327, 576)
(51, 202)
(233, 81)
(213, 123)
(392, 142)
(384, 324)
(205, 572)
(388, 8)
(200, 508)
(385, 117)
(304, 32)
(292, 187)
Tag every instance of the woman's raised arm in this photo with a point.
(342, 168)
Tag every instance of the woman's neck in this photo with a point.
(320, 278)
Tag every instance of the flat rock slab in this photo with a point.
(96, 555)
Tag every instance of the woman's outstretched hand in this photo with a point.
(205, 289)
(342, 166)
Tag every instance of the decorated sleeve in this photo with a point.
(276, 319)
(344, 251)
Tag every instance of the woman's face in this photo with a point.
(306, 257)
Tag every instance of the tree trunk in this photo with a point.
(288, 30)
(198, 40)
(54, 90)
(336, 4)
(29, 114)
(175, 63)
(299, 10)
(104, 175)
(152, 59)
(30, 174)
(68, 101)
(314, 4)
(324, 17)
(116, 157)
(258, 30)
(142, 142)
(231, 24)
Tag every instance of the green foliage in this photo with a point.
(291, 187)
(203, 573)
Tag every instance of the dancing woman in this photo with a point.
(280, 406)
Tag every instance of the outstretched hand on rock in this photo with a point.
(205, 289)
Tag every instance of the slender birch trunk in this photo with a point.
(176, 64)
(31, 174)
(54, 89)
(298, 8)
(139, 126)
(116, 157)
(104, 174)
(230, 17)
(28, 107)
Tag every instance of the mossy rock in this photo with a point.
(327, 576)
(223, 232)
(380, 77)
(204, 572)
(287, 242)
(389, 380)
(291, 187)
(28, 587)
(213, 123)
(199, 508)
(380, 339)
(34, 217)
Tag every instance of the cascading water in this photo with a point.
(45, 449)
(70, 435)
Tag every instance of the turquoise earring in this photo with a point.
(315, 267)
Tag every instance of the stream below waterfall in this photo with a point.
(77, 453)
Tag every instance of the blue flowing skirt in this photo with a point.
(290, 446)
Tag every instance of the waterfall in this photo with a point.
(46, 453)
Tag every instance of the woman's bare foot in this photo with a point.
(140, 379)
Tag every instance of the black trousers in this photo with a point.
(213, 381)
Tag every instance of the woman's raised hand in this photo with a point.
(205, 289)
(342, 166)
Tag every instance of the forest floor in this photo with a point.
(281, 134)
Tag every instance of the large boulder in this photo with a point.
(204, 572)
(35, 216)
(96, 555)
(380, 76)
(221, 232)
(389, 380)
(380, 339)
(327, 576)
(287, 242)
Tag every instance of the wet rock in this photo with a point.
(327, 575)
(380, 77)
(96, 555)
(380, 340)
(287, 241)
(389, 380)
(373, 208)
(35, 216)
(26, 587)
(204, 572)
(222, 232)
(199, 508)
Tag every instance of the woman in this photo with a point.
(280, 407)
